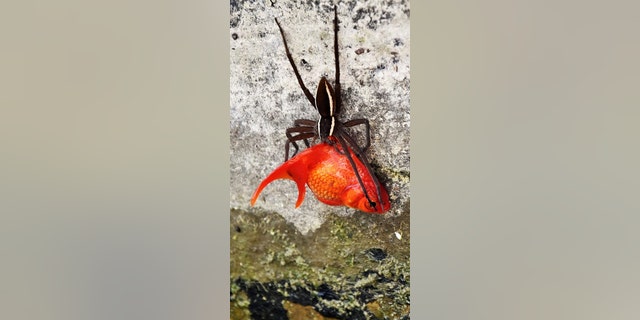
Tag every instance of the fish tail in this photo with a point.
(291, 170)
(301, 192)
(299, 173)
(279, 173)
(263, 184)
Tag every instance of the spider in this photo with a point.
(328, 128)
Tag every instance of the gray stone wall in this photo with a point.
(374, 49)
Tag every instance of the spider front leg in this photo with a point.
(336, 56)
(355, 122)
(306, 91)
(346, 140)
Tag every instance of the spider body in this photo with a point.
(329, 129)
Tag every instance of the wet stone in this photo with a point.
(376, 254)
(325, 292)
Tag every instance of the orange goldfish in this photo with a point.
(331, 178)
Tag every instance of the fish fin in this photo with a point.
(301, 192)
(299, 172)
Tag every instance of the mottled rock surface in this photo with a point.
(266, 98)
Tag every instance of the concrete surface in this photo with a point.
(266, 98)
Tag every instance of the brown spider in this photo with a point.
(328, 128)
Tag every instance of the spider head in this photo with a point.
(325, 128)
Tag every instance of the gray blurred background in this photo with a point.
(114, 138)
(530, 163)
(111, 191)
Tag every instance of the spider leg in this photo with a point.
(304, 133)
(356, 122)
(344, 137)
(336, 55)
(295, 69)
(304, 123)
(344, 146)
(331, 140)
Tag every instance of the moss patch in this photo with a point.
(354, 267)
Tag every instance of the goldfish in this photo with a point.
(330, 176)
